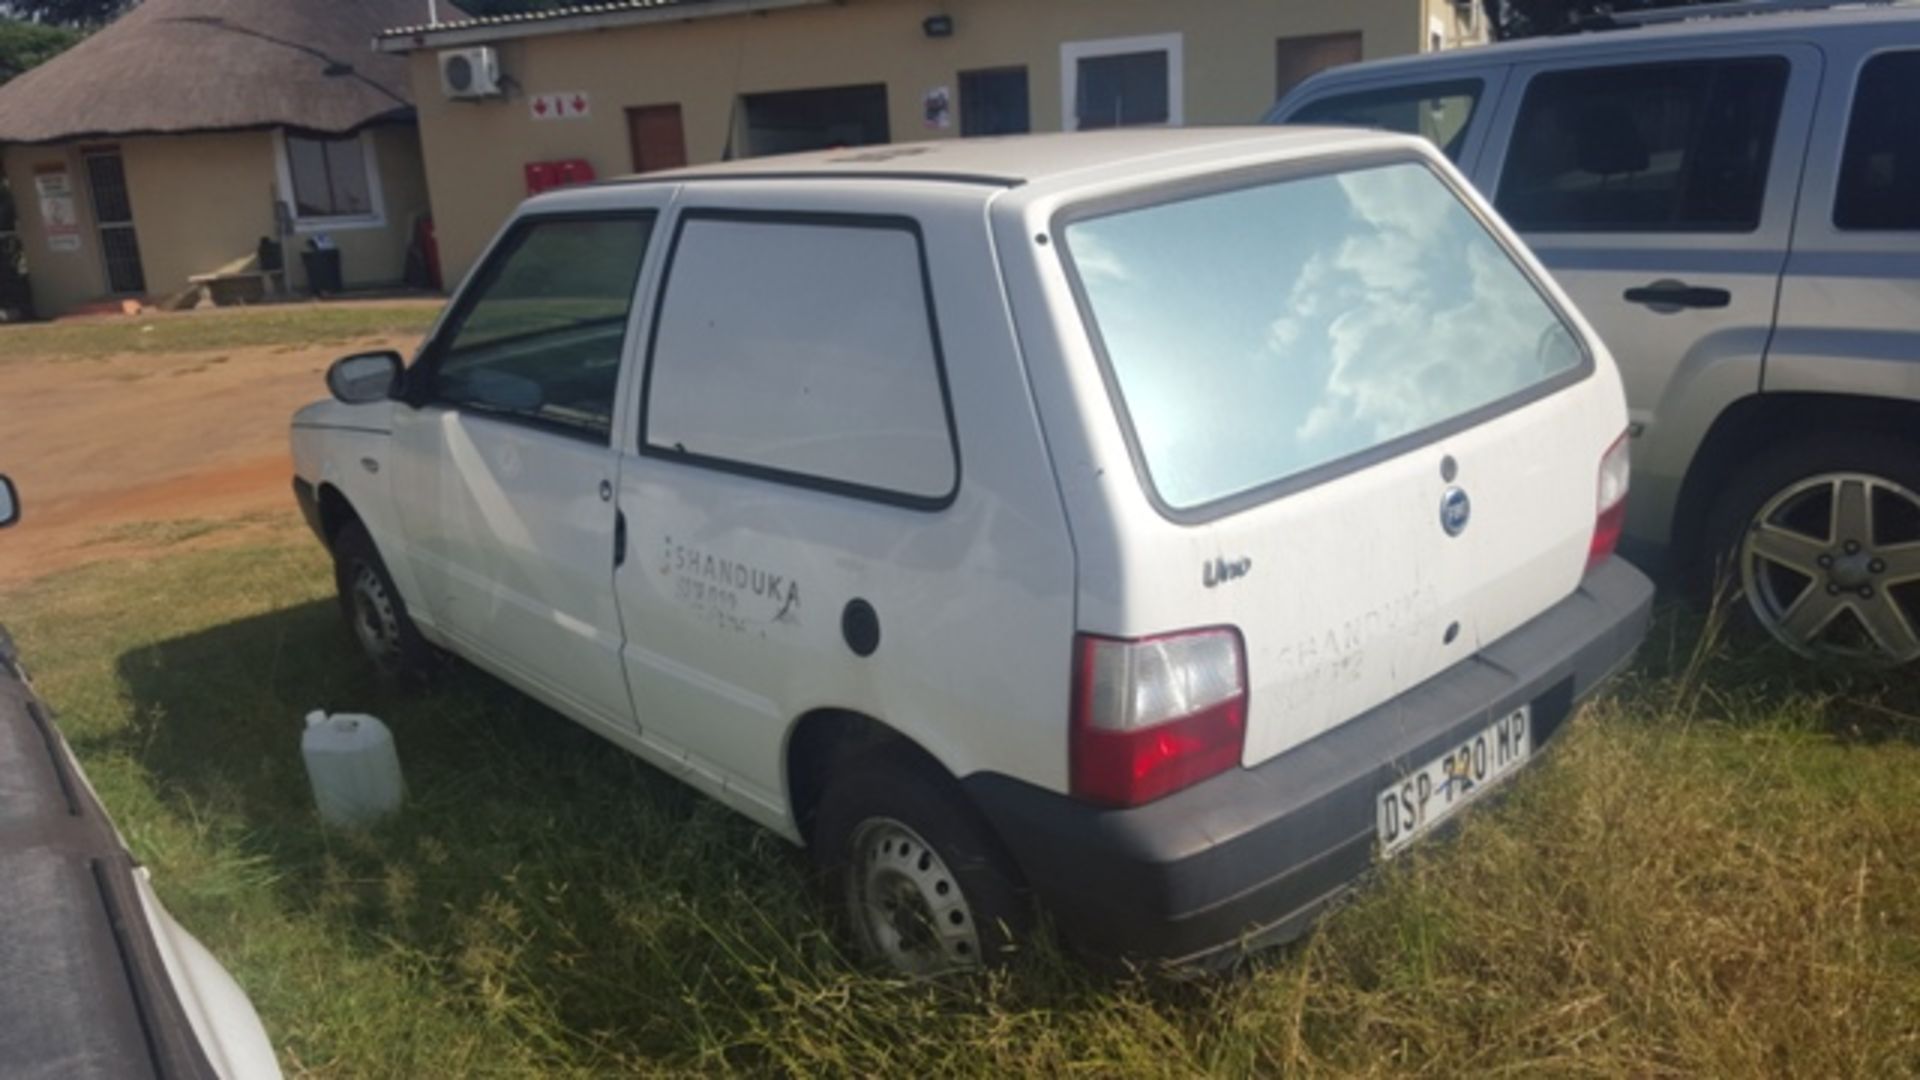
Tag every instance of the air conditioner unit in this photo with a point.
(467, 74)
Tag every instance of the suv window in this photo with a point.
(1262, 334)
(1440, 111)
(1678, 147)
(538, 337)
(1880, 170)
(803, 348)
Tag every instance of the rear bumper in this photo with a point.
(1252, 855)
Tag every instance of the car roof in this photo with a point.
(1707, 29)
(1017, 160)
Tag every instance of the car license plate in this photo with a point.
(1427, 796)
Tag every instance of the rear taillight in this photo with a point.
(1610, 511)
(1155, 715)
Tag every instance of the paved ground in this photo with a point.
(118, 456)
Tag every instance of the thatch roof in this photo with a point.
(173, 66)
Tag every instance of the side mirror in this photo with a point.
(9, 503)
(365, 378)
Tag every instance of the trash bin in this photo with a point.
(323, 271)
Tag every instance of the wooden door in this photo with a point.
(658, 139)
(1299, 57)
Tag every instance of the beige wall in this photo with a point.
(476, 151)
(1458, 27)
(201, 202)
(60, 280)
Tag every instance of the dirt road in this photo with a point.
(117, 457)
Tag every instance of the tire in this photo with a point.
(913, 870)
(375, 612)
(1821, 541)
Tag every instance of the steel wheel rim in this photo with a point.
(375, 622)
(907, 906)
(1841, 585)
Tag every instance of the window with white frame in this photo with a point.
(332, 182)
(1121, 82)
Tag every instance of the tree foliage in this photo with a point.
(1530, 18)
(24, 45)
(506, 7)
(86, 13)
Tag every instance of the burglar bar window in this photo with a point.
(329, 177)
(1121, 82)
(1122, 91)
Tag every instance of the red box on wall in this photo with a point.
(547, 175)
(541, 176)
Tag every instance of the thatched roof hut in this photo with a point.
(174, 66)
(200, 148)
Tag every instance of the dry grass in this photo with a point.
(291, 325)
(1716, 874)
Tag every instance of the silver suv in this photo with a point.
(1734, 203)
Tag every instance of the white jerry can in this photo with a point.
(353, 767)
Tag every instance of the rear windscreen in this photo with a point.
(1261, 333)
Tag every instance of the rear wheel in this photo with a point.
(374, 610)
(918, 877)
(1822, 539)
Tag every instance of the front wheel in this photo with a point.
(375, 611)
(919, 878)
(1823, 540)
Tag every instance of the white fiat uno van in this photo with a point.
(1157, 525)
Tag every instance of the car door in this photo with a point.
(506, 462)
(788, 497)
(1850, 306)
(1659, 188)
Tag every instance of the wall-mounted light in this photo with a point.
(938, 26)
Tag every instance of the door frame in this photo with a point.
(633, 113)
(89, 154)
(1072, 52)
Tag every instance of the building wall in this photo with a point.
(1457, 24)
(475, 152)
(201, 202)
(62, 280)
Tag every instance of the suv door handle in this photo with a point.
(1678, 294)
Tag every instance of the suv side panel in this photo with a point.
(1681, 364)
(1849, 319)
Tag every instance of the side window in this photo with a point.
(538, 336)
(802, 348)
(1880, 169)
(1440, 111)
(1680, 147)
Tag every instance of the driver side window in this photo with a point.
(539, 337)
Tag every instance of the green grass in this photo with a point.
(290, 325)
(1716, 874)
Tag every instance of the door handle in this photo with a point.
(1678, 294)
(619, 539)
